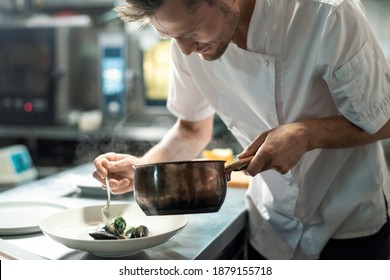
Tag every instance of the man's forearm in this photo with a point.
(338, 132)
(184, 141)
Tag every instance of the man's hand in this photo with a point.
(119, 168)
(279, 148)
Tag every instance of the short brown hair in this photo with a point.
(142, 10)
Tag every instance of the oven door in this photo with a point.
(27, 79)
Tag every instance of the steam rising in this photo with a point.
(110, 139)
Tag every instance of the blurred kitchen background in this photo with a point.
(75, 82)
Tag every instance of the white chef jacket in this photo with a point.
(304, 59)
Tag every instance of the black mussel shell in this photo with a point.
(102, 235)
(141, 231)
(106, 229)
(130, 233)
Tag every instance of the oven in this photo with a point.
(33, 87)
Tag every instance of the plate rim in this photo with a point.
(6, 231)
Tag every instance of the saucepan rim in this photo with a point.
(178, 162)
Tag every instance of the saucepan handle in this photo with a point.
(238, 165)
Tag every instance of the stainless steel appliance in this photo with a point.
(33, 80)
(114, 75)
(48, 72)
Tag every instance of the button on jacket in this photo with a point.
(304, 59)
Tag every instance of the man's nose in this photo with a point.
(187, 46)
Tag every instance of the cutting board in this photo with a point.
(238, 180)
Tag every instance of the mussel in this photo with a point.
(141, 231)
(137, 232)
(119, 231)
(130, 233)
(103, 234)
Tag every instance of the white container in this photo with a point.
(16, 165)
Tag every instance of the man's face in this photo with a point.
(207, 31)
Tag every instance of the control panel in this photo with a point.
(113, 75)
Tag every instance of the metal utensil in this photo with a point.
(106, 209)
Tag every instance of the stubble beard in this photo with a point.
(232, 22)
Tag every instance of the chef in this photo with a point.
(304, 86)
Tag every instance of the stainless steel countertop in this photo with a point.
(133, 133)
(204, 237)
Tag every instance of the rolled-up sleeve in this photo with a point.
(355, 69)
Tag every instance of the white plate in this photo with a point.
(89, 185)
(71, 228)
(92, 190)
(24, 217)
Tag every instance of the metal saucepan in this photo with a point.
(183, 187)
